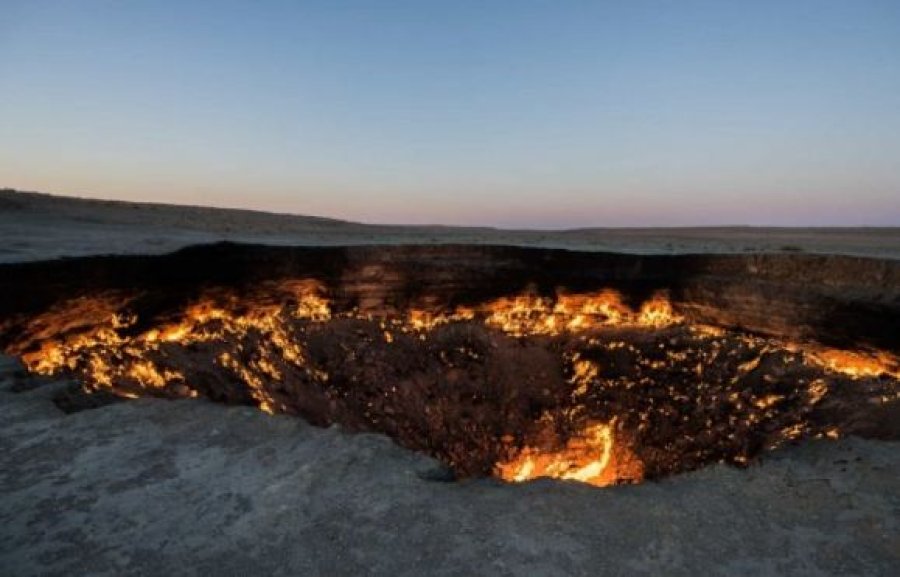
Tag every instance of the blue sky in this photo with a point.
(524, 113)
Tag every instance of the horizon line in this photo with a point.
(79, 196)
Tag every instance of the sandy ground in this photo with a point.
(38, 226)
(154, 487)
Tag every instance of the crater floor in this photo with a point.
(157, 487)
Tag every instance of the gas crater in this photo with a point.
(514, 363)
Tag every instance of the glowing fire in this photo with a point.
(591, 457)
(530, 314)
(256, 342)
(855, 364)
(213, 317)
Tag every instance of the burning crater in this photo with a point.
(517, 363)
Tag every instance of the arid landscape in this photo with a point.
(40, 226)
(254, 393)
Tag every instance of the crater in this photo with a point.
(499, 361)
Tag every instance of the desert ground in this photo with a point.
(39, 226)
(189, 487)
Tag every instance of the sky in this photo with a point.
(519, 113)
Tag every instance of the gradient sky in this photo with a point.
(517, 114)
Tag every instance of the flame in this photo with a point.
(658, 312)
(65, 344)
(526, 315)
(422, 320)
(856, 364)
(589, 457)
(530, 314)
(583, 373)
(253, 341)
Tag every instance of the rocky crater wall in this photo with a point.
(833, 300)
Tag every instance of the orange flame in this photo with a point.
(856, 364)
(86, 334)
(591, 457)
(530, 314)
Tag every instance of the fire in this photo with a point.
(529, 314)
(657, 312)
(583, 373)
(626, 377)
(856, 364)
(421, 320)
(590, 457)
(532, 315)
(87, 346)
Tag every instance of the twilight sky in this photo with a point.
(518, 113)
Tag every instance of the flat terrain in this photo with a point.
(39, 226)
(154, 487)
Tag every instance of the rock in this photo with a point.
(437, 471)
(13, 375)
